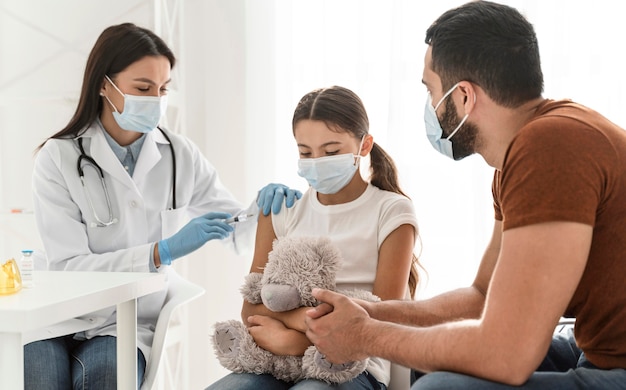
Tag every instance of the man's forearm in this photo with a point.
(425, 349)
(464, 303)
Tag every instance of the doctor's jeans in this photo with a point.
(564, 368)
(365, 381)
(64, 363)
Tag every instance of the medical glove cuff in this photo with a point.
(164, 253)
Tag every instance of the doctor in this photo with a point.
(113, 191)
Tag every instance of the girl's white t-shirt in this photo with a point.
(358, 229)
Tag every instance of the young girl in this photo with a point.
(372, 223)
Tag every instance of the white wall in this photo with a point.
(43, 48)
(217, 117)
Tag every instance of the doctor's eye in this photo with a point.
(332, 152)
(305, 154)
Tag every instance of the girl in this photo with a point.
(372, 223)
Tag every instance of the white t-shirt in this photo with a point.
(358, 229)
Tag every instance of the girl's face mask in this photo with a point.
(328, 175)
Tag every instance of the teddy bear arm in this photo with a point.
(251, 289)
(360, 294)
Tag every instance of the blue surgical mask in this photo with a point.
(141, 113)
(328, 175)
(434, 132)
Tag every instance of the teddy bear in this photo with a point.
(295, 266)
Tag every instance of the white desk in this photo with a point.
(59, 296)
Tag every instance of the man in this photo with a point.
(559, 240)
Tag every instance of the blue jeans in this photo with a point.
(564, 368)
(63, 363)
(365, 381)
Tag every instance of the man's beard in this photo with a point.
(464, 141)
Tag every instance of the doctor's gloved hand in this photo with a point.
(272, 195)
(193, 235)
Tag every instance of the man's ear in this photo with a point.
(469, 95)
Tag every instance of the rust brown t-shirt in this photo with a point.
(568, 163)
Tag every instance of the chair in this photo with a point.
(565, 325)
(168, 333)
(400, 378)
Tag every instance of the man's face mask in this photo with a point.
(434, 132)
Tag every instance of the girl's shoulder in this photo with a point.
(386, 195)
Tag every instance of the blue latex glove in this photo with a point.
(272, 195)
(193, 235)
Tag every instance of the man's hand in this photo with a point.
(336, 327)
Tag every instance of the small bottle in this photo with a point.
(27, 265)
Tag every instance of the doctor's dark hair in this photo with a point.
(343, 111)
(116, 48)
(491, 45)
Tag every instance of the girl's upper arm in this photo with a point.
(265, 237)
(394, 263)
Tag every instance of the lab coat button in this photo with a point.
(133, 203)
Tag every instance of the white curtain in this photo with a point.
(377, 49)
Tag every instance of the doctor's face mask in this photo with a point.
(328, 175)
(141, 113)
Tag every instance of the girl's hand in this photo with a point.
(273, 336)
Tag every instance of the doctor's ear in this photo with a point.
(103, 87)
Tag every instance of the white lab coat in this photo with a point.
(141, 205)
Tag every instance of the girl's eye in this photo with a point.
(164, 90)
(144, 89)
(305, 154)
(332, 153)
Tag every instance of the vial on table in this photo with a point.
(27, 267)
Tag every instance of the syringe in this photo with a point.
(239, 218)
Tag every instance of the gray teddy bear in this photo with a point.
(295, 266)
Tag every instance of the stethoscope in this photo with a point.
(111, 219)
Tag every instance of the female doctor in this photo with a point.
(114, 192)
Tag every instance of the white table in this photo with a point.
(60, 296)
